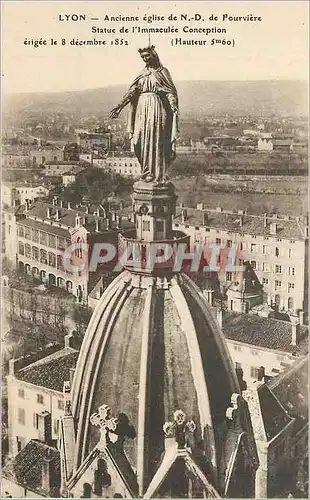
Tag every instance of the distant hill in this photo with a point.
(197, 98)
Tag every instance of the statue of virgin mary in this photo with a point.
(153, 117)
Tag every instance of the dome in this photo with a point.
(153, 347)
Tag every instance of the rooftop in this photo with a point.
(274, 416)
(263, 332)
(291, 388)
(52, 371)
(26, 468)
(251, 224)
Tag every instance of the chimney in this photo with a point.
(87, 209)
(295, 332)
(27, 205)
(219, 209)
(241, 220)
(84, 220)
(44, 426)
(265, 220)
(97, 225)
(219, 317)
(69, 205)
(58, 214)
(96, 213)
(118, 221)
(113, 214)
(273, 228)
(209, 293)
(181, 204)
(47, 470)
(49, 212)
(200, 206)
(261, 373)
(205, 219)
(184, 215)
(55, 200)
(77, 220)
(61, 203)
(241, 212)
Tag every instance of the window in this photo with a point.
(51, 241)
(237, 347)
(35, 235)
(277, 284)
(40, 399)
(35, 253)
(289, 253)
(278, 269)
(265, 248)
(265, 267)
(146, 226)
(21, 231)
(291, 271)
(35, 420)
(241, 246)
(279, 239)
(218, 241)
(254, 372)
(21, 416)
(43, 256)
(160, 226)
(21, 248)
(56, 426)
(228, 276)
(60, 404)
(266, 238)
(21, 393)
(28, 251)
(52, 259)
(253, 264)
(265, 281)
(290, 286)
(43, 238)
(253, 247)
(292, 241)
(28, 233)
(229, 243)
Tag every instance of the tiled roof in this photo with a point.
(52, 371)
(274, 416)
(26, 468)
(251, 224)
(263, 332)
(67, 218)
(291, 388)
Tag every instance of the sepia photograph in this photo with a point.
(154, 270)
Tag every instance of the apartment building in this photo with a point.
(276, 248)
(124, 164)
(37, 236)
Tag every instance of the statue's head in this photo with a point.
(149, 56)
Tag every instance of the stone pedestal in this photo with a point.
(154, 208)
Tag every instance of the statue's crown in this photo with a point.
(150, 48)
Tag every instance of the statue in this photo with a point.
(153, 117)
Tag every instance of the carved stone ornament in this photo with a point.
(181, 429)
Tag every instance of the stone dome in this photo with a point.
(153, 347)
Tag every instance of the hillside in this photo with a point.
(197, 98)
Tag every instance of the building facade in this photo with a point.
(276, 248)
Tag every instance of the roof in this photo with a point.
(263, 332)
(251, 224)
(279, 142)
(52, 371)
(274, 416)
(27, 467)
(291, 388)
(67, 218)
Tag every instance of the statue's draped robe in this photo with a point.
(152, 124)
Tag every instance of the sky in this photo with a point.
(275, 48)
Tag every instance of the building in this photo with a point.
(276, 248)
(59, 168)
(41, 155)
(264, 144)
(282, 145)
(38, 235)
(35, 395)
(89, 140)
(279, 413)
(124, 164)
(263, 347)
(20, 192)
(15, 160)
